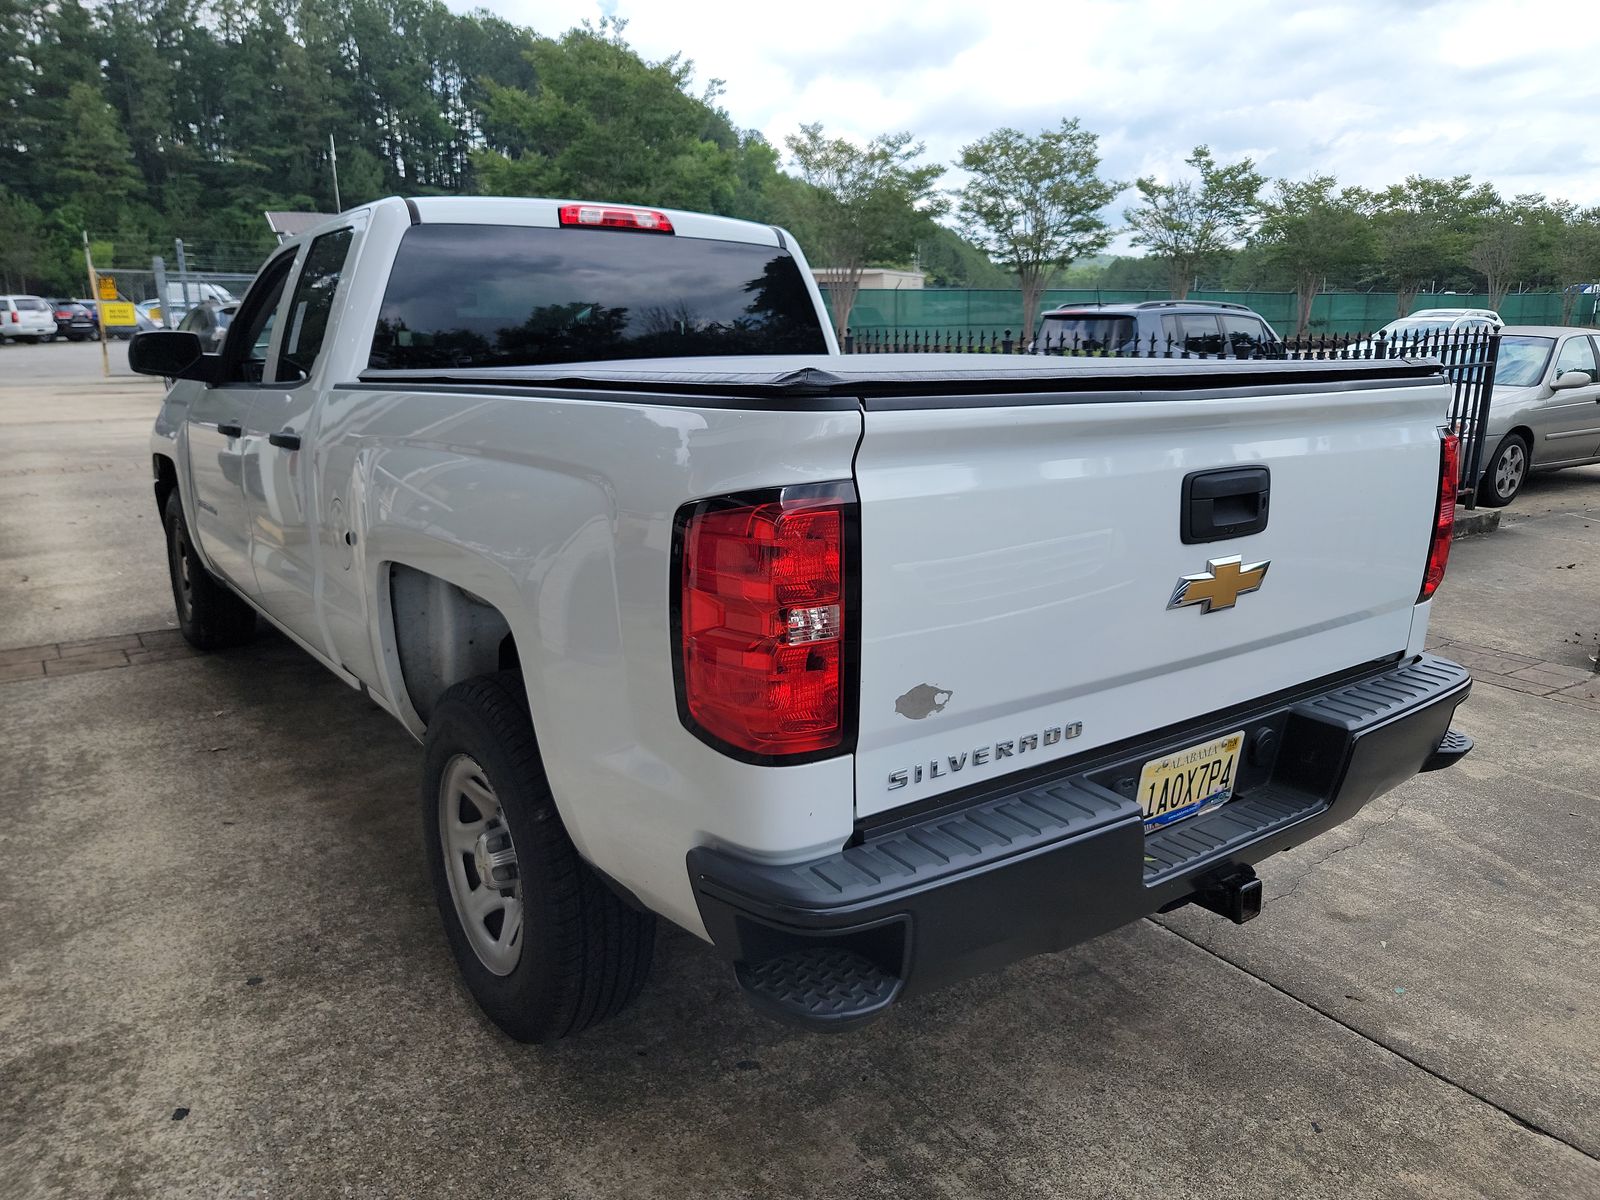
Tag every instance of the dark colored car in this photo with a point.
(1195, 327)
(73, 321)
(210, 321)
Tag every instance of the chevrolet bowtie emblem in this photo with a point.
(1221, 584)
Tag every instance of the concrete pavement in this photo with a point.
(221, 972)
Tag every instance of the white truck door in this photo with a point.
(279, 470)
(217, 433)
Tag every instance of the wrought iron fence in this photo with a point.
(1467, 358)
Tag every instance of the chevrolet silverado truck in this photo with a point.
(873, 672)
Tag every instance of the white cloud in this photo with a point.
(1371, 91)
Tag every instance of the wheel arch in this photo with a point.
(165, 471)
(438, 632)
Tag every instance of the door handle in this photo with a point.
(231, 431)
(1227, 502)
(287, 440)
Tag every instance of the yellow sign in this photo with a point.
(108, 287)
(117, 315)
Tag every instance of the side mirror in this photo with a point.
(172, 354)
(1571, 379)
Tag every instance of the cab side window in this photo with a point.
(245, 356)
(1577, 354)
(312, 305)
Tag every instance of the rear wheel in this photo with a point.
(1506, 473)
(209, 615)
(544, 946)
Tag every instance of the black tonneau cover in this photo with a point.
(882, 381)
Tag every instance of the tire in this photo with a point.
(1506, 473)
(580, 954)
(209, 615)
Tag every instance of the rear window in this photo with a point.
(1085, 331)
(32, 304)
(504, 295)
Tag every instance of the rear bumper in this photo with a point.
(1040, 863)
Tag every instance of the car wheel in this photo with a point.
(209, 615)
(544, 945)
(1506, 473)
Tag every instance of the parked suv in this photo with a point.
(27, 319)
(73, 321)
(1192, 326)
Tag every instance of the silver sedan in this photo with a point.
(1546, 407)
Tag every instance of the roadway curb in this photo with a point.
(1476, 520)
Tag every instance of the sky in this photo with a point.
(1370, 91)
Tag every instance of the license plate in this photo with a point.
(1189, 781)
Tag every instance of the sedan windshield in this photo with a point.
(1522, 360)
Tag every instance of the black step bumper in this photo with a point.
(1027, 865)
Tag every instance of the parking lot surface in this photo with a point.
(221, 970)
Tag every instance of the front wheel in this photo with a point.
(209, 615)
(1506, 473)
(544, 946)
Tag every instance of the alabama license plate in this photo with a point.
(1189, 781)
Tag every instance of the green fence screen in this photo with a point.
(996, 310)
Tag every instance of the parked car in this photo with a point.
(27, 319)
(73, 321)
(210, 321)
(150, 315)
(1431, 321)
(1195, 327)
(1545, 411)
(872, 671)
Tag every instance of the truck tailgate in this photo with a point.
(1019, 556)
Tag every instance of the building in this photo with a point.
(874, 277)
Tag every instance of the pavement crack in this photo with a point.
(1366, 832)
(1516, 1118)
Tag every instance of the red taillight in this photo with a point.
(762, 621)
(15, 319)
(608, 216)
(1444, 514)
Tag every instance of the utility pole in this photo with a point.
(99, 306)
(183, 284)
(333, 157)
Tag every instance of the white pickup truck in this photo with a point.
(874, 672)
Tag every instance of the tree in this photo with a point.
(1424, 227)
(1497, 252)
(604, 124)
(93, 165)
(1310, 232)
(862, 204)
(1576, 258)
(1034, 203)
(21, 242)
(1191, 222)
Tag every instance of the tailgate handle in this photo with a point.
(1229, 502)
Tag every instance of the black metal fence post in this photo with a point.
(1472, 456)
